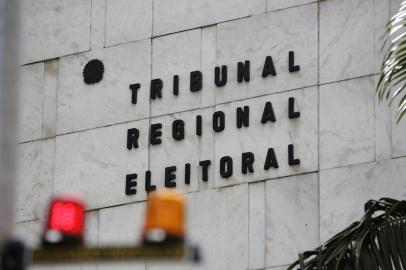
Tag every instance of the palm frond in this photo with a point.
(376, 242)
(392, 82)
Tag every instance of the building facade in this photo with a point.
(262, 112)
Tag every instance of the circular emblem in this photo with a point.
(93, 71)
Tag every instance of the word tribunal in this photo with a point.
(220, 78)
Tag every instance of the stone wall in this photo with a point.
(72, 136)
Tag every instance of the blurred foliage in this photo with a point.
(392, 82)
(376, 242)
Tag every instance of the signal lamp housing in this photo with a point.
(65, 222)
(165, 217)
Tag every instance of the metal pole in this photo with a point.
(8, 111)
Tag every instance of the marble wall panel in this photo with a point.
(208, 62)
(177, 153)
(178, 54)
(281, 4)
(291, 217)
(122, 225)
(273, 34)
(258, 137)
(128, 20)
(383, 128)
(98, 24)
(82, 106)
(53, 28)
(218, 221)
(346, 39)
(176, 15)
(50, 99)
(30, 102)
(29, 232)
(95, 163)
(398, 135)
(257, 225)
(347, 122)
(34, 179)
(207, 148)
(344, 191)
(381, 18)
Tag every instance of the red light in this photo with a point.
(67, 217)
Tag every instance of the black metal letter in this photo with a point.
(187, 173)
(134, 90)
(169, 176)
(148, 186)
(155, 134)
(132, 138)
(199, 125)
(269, 67)
(271, 160)
(292, 113)
(130, 184)
(176, 85)
(178, 129)
(247, 159)
(292, 66)
(291, 154)
(243, 116)
(156, 88)
(268, 114)
(243, 71)
(218, 121)
(226, 167)
(205, 169)
(220, 82)
(196, 81)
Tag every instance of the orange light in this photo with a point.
(165, 213)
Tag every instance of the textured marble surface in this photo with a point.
(128, 20)
(177, 153)
(176, 15)
(98, 24)
(383, 129)
(346, 39)
(121, 225)
(82, 106)
(53, 28)
(273, 34)
(30, 102)
(207, 148)
(218, 222)
(347, 122)
(344, 191)
(29, 232)
(398, 135)
(177, 54)
(34, 180)
(50, 99)
(291, 217)
(257, 225)
(381, 18)
(281, 4)
(283, 267)
(258, 137)
(208, 62)
(95, 163)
